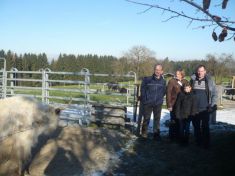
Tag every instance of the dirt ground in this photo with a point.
(167, 158)
(73, 151)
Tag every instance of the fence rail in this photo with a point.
(60, 88)
(42, 83)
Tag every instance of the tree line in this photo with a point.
(139, 59)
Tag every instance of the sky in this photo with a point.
(106, 27)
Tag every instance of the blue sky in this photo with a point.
(104, 27)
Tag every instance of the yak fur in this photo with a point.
(22, 121)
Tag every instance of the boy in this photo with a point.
(185, 110)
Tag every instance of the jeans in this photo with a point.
(184, 127)
(148, 109)
(201, 128)
(174, 127)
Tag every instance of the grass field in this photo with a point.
(98, 93)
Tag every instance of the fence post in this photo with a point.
(43, 84)
(135, 104)
(47, 70)
(127, 94)
(87, 84)
(221, 95)
(4, 78)
(233, 82)
(13, 81)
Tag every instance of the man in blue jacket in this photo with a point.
(205, 91)
(153, 89)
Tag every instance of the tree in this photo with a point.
(205, 17)
(218, 66)
(121, 66)
(42, 61)
(168, 66)
(146, 67)
(137, 57)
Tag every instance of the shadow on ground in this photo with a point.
(148, 157)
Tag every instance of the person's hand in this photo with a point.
(212, 108)
(215, 107)
(170, 109)
(209, 108)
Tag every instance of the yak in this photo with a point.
(229, 91)
(113, 86)
(23, 120)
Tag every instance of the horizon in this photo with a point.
(55, 57)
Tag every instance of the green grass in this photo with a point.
(105, 97)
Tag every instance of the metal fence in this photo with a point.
(74, 88)
(226, 95)
(46, 85)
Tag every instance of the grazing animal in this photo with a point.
(22, 121)
(113, 86)
(123, 90)
(230, 92)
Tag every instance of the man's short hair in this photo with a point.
(157, 65)
(200, 66)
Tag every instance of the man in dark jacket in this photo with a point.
(205, 91)
(152, 92)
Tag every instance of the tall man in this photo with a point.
(206, 95)
(152, 92)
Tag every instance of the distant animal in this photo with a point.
(98, 91)
(22, 121)
(123, 90)
(230, 92)
(113, 86)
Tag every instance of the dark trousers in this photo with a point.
(201, 128)
(148, 109)
(184, 125)
(174, 127)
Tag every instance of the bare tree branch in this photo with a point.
(223, 22)
(219, 22)
(169, 10)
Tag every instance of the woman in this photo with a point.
(174, 87)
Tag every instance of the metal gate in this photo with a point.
(226, 94)
(50, 86)
(74, 88)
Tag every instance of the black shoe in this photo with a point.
(198, 143)
(156, 137)
(206, 146)
(184, 142)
